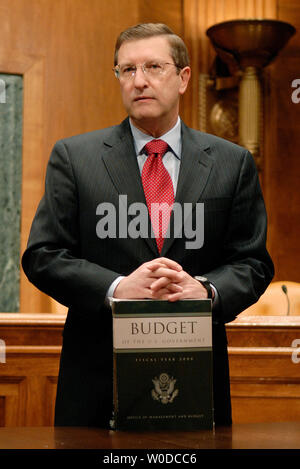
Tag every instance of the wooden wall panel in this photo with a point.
(13, 396)
(28, 383)
(2, 411)
(265, 385)
(198, 17)
(265, 381)
(255, 402)
(282, 172)
(32, 68)
(50, 396)
(28, 378)
(64, 48)
(162, 11)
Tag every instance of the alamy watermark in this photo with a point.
(2, 351)
(296, 353)
(296, 93)
(2, 91)
(133, 221)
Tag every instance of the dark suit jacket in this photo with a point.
(66, 259)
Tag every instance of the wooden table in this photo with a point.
(277, 435)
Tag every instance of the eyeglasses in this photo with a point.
(150, 69)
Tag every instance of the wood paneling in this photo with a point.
(263, 331)
(28, 385)
(256, 402)
(13, 395)
(198, 17)
(162, 11)
(32, 70)
(281, 165)
(282, 140)
(264, 380)
(64, 50)
(257, 360)
(24, 329)
(28, 378)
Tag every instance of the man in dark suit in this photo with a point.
(70, 259)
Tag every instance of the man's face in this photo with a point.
(152, 102)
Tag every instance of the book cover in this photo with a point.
(162, 365)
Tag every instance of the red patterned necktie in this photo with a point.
(158, 189)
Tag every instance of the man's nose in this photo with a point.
(140, 79)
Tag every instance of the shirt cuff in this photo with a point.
(215, 301)
(113, 286)
(111, 290)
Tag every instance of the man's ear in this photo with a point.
(185, 75)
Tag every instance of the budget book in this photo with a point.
(162, 364)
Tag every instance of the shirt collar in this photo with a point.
(172, 138)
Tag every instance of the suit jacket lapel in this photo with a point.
(121, 163)
(194, 173)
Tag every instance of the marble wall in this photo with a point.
(11, 88)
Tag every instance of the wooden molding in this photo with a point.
(32, 68)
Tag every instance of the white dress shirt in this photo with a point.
(171, 161)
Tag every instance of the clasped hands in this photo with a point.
(160, 279)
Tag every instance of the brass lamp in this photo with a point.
(247, 46)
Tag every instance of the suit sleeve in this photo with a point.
(52, 260)
(246, 268)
